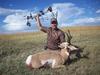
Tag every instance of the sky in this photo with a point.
(69, 13)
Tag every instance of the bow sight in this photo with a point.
(40, 13)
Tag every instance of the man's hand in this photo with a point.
(37, 18)
(38, 21)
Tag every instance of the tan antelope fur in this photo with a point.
(54, 59)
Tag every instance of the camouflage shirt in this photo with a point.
(54, 37)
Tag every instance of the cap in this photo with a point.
(54, 21)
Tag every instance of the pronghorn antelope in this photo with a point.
(53, 59)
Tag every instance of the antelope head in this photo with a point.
(68, 44)
(72, 49)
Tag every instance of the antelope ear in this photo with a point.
(61, 46)
(72, 48)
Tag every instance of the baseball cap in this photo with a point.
(54, 21)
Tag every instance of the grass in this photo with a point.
(14, 49)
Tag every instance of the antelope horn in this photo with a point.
(69, 37)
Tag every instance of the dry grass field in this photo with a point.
(14, 49)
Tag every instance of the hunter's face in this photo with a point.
(54, 25)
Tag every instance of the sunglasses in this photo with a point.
(54, 22)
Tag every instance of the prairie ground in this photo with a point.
(14, 49)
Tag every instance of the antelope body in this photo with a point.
(54, 59)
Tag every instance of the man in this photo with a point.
(55, 36)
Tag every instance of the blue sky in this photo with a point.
(70, 13)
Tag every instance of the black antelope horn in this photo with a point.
(69, 37)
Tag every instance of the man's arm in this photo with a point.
(40, 26)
